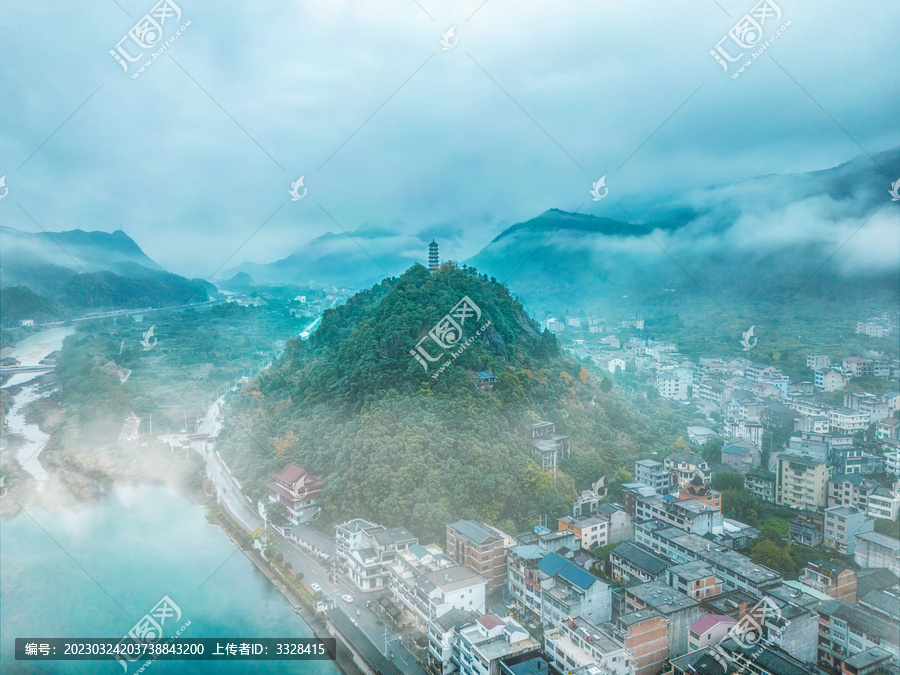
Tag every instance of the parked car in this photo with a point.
(347, 598)
(368, 603)
(316, 588)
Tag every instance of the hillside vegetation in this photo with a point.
(399, 446)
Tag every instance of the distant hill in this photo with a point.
(78, 269)
(829, 235)
(20, 302)
(346, 260)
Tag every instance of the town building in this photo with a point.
(761, 483)
(846, 631)
(313, 541)
(829, 380)
(697, 490)
(671, 386)
(892, 462)
(877, 550)
(734, 570)
(480, 547)
(708, 631)
(442, 636)
(741, 455)
(808, 528)
(645, 633)
(548, 540)
(577, 643)
(835, 580)
(654, 474)
(482, 646)
(842, 524)
(801, 481)
(620, 526)
(298, 490)
(864, 494)
(685, 465)
(855, 366)
(631, 562)
(847, 421)
(730, 656)
(696, 579)
(689, 515)
(680, 610)
(591, 531)
(366, 551)
(818, 361)
(542, 441)
(889, 427)
(551, 588)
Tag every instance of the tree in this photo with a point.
(727, 480)
(766, 552)
(605, 385)
(712, 451)
(889, 528)
(276, 514)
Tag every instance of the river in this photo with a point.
(94, 571)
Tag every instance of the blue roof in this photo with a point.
(555, 565)
(484, 374)
(528, 552)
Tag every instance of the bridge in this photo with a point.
(26, 369)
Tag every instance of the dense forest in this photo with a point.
(402, 447)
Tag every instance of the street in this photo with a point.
(313, 571)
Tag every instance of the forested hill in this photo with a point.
(400, 447)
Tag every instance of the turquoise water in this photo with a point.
(138, 544)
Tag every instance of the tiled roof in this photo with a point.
(490, 621)
(705, 623)
(554, 565)
(474, 532)
(636, 555)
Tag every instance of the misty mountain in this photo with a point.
(828, 234)
(356, 259)
(79, 269)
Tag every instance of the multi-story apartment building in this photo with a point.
(796, 624)
(645, 633)
(801, 481)
(481, 547)
(892, 462)
(442, 640)
(857, 367)
(708, 631)
(366, 551)
(888, 427)
(829, 380)
(701, 492)
(741, 455)
(712, 395)
(842, 524)
(690, 515)
(552, 588)
(761, 483)
(734, 570)
(808, 528)
(620, 526)
(847, 421)
(481, 646)
(591, 531)
(831, 578)
(877, 550)
(549, 540)
(576, 643)
(696, 579)
(869, 404)
(818, 361)
(542, 441)
(653, 473)
(685, 465)
(631, 562)
(680, 610)
(863, 494)
(671, 386)
(847, 631)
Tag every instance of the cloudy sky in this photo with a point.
(195, 156)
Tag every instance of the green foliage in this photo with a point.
(727, 480)
(712, 451)
(769, 553)
(20, 302)
(276, 514)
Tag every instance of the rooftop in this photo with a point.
(661, 597)
(705, 623)
(557, 566)
(642, 558)
(474, 532)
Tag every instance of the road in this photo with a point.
(313, 570)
